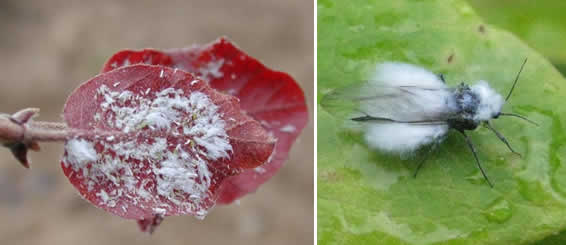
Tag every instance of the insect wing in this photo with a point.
(376, 102)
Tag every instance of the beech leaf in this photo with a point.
(166, 143)
(368, 197)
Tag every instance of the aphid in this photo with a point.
(403, 108)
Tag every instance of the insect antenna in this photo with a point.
(423, 160)
(516, 79)
(517, 116)
(473, 149)
(501, 137)
(509, 95)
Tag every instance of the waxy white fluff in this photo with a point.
(398, 138)
(402, 138)
(490, 101)
(79, 153)
(403, 74)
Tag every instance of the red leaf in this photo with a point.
(271, 97)
(130, 57)
(163, 142)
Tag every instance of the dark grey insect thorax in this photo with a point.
(467, 103)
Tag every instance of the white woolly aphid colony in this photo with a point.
(168, 134)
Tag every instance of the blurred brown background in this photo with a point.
(47, 48)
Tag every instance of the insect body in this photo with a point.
(404, 107)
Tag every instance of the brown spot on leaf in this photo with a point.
(481, 29)
(450, 58)
(330, 176)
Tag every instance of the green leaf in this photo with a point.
(539, 23)
(366, 197)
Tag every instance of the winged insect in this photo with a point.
(404, 108)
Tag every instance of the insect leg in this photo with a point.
(473, 149)
(501, 137)
(423, 160)
(441, 76)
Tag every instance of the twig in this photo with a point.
(19, 133)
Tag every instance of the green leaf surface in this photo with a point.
(539, 23)
(366, 197)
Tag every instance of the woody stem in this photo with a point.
(11, 131)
